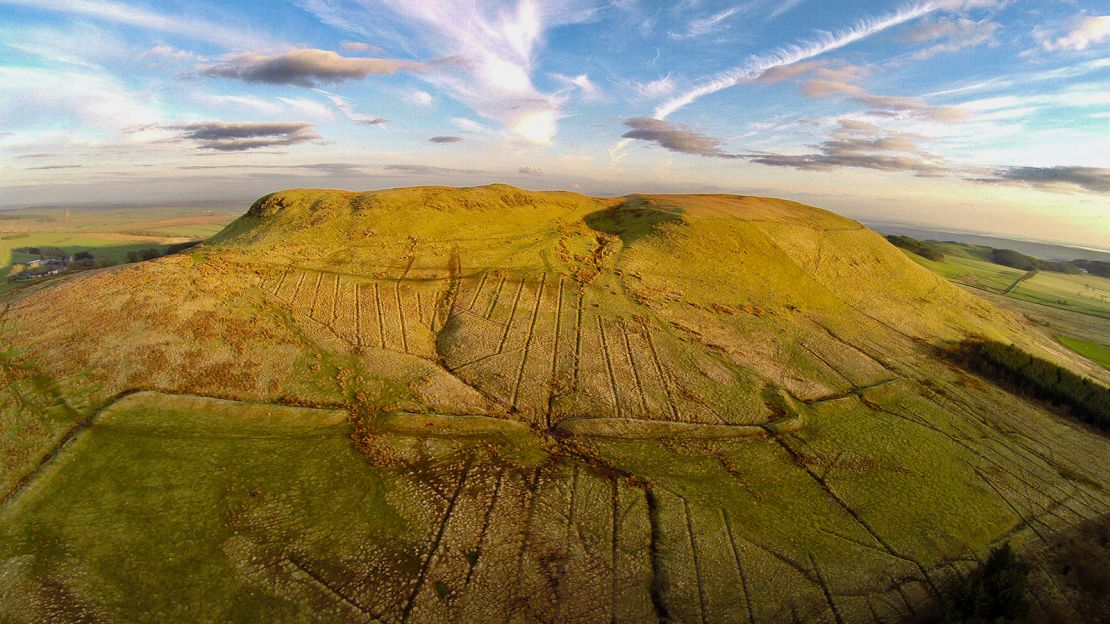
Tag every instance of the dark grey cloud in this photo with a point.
(882, 105)
(445, 139)
(35, 155)
(895, 152)
(49, 167)
(329, 168)
(240, 136)
(306, 67)
(530, 171)
(1094, 179)
(825, 162)
(371, 121)
(675, 137)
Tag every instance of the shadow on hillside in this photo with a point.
(632, 219)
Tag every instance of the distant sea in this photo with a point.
(1037, 249)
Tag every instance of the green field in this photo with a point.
(208, 485)
(1087, 294)
(966, 264)
(970, 265)
(1091, 350)
(108, 233)
(1081, 303)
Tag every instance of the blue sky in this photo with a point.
(984, 115)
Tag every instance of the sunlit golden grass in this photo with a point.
(438, 404)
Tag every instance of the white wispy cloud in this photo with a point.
(87, 104)
(78, 43)
(1084, 32)
(706, 25)
(275, 107)
(348, 109)
(783, 7)
(950, 35)
(420, 98)
(655, 88)
(468, 125)
(794, 53)
(581, 83)
(495, 44)
(139, 17)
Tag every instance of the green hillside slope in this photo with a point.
(558, 408)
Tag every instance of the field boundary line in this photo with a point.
(979, 452)
(316, 295)
(555, 354)
(478, 291)
(485, 526)
(1028, 275)
(358, 314)
(696, 558)
(533, 493)
(378, 308)
(828, 365)
(567, 538)
(1022, 520)
(739, 566)
(327, 587)
(577, 341)
(512, 316)
(826, 591)
(797, 460)
(661, 372)
(609, 366)
(297, 288)
(496, 297)
(401, 316)
(427, 564)
(335, 302)
(635, 371)
(528, 342)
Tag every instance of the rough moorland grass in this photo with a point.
(460, 327)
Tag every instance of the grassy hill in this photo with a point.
(550, 407)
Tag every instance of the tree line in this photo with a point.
(995, 592)
(1083, 399)
(1018, 260)
(1006, 257)
(921, 248)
